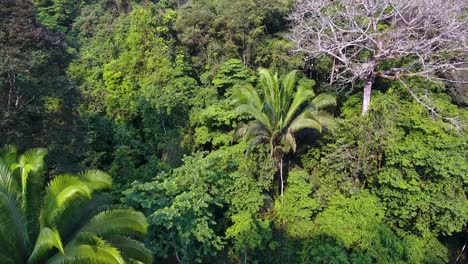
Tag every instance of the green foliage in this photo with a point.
(232, 73)
(357, 218)
(149, 67)
(296, 210)
(215, 31)
(248, 234)
(63, 223)
(58, 15)
(135, 80)
(352, 230)
(36, 96)
(403, 156)
(184, 206)
(213, 116)
(275, 52)
(149, 93)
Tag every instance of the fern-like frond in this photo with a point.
(90, 249)
(13, 224)
(269, 83)
(33, 159)
(255, 113)
(117, 221)
(256, 129)
(79, 213)
(290, 141)
(31, 164)
(303, 122)
(61, 192)
(131, 249)
(5, 257)
(247, 95)
(324, 118)
(97, 180)
(288, 82)
(240, 130)
(48, 239)
(300, 98)
(282, 110)
(7, 180)
(9, 156)
(322, 101)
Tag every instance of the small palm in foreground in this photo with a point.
(65, 223)
(282, 113)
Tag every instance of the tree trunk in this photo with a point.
(245, 255)
(281, 177)
(367, 95)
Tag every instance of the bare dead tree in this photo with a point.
(360, 35)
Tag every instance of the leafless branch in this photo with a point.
(431, 106)
(429, 37)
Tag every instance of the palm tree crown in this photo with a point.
(281, 112)
(65, 223)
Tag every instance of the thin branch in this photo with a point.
(431, 108)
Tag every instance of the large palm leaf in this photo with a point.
(67, 225)
(281, 113)
(131, 249)
(14, 239)
(89, 248)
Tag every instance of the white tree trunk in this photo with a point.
(366, 96)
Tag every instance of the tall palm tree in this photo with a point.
(281, 112)
(67, 221)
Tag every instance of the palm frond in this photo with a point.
(31, 162)
(117, 221)
(272, 96)
(303, 122)
(282, 109)
(65, 213)
(324, 118)
(33, 159)
(270, 114)
(5, 257)
(79, 213)
(256, 129)
(288, 83)
(131, 249)
(251, 130)
(13, 225)
(88, 248)
(8, 156)
(256, 114)
(290, 141)
(48, 239)
(247, 95)
(5, 252)
(322, 101)
(7, 180)
(61, 192)
(240, 130)
(269, 84)
(97, 180)
(301, 96)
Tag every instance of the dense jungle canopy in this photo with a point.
(233, 131)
